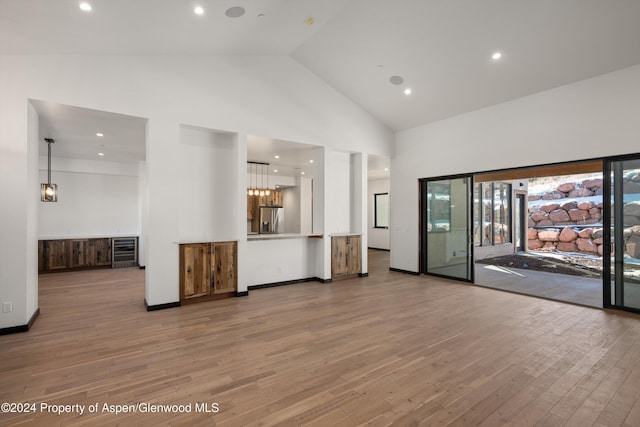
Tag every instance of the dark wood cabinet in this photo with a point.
(65, 254)
(346, 258)
(101, 252)
(80, 253)
(208, 271)
(56, 254)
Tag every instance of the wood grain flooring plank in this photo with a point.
(389, 349)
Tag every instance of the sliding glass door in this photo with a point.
(446, 233)
(622, 284)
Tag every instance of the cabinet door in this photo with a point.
(277, 198)
(57, 254)
(354, 261)
(101, 252)
(80, 253)
(339, 254)
(42, 261)
(224, 267)
(194, 270)
(250, 207)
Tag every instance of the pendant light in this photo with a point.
(250, 190)
(256, 191)
(48, 191)
(261, 181)
(267, 192)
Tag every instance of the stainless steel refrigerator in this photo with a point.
(271, 219)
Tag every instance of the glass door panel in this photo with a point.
(625, 233)
(448, 213)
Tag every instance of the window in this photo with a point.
(492, 218)
(381, 210)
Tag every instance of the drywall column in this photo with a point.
(18, 268)
(161, 279)
(359, 203)
(323, 248)
(240, 208)
(144, 217)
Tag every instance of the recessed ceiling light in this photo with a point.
(496, 56)
(85, 6)
(234, 12)
(198, 10)
(275, 170)
(396, 80)
(309, 21)
(310, 161)
(100, 154)
(386, 169)
(301, 173)
(99, 134)
(276, 157)
(380, 66)
(261, 15)
(407, 91)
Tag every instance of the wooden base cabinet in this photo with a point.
(208, 271)
(346, 258)
(67, 254)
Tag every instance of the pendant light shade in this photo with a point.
(49, 191)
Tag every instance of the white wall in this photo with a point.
(280, 260)
(102, 203)
(208, 188)
(589, 119)
(291, 205)
(272, 96)
(338, 202)
(378, 237)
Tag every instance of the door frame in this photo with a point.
(422, 238)
(607, 198)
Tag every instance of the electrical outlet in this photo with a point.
(7, 307)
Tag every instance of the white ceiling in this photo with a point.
(74, 130)
(442, 49)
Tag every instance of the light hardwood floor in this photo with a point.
(390, 349)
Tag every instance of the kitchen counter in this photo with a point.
(279, 236)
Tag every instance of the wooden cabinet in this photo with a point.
(101, 252)
(194, 270)
(64, 254)
(224, 267)
(346, 259)
(42, 262)
(80, 253)
(208, 270)
(56, 254)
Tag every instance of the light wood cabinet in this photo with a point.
(346, 259)
(194, 270)
(224, 267)
(208, 270)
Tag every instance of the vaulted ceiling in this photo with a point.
(441, 50)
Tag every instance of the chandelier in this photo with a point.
(257, 170)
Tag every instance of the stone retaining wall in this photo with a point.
(557, 221)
